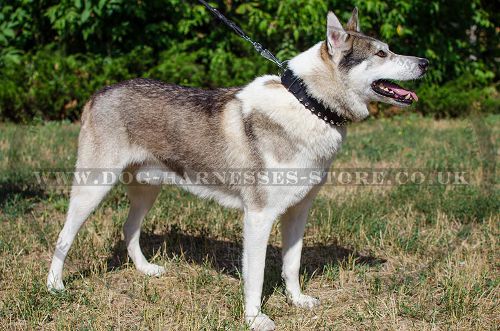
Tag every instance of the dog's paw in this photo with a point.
(305, 301)
(54, 285)
(261, 322)
(151, 269)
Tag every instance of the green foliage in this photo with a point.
(53, 53)
(48, 85)
(458, 97)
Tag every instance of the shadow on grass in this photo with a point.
(14, 192)
(225, 256)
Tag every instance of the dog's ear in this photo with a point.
(353, 24)
(336, 37)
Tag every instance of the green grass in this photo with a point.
(378, 257)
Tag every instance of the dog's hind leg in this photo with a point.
(142, 197)
(103, 150)
(84, 199)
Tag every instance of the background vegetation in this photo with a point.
(55, 54)
(411, 257)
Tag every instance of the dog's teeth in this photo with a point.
(391, 91)
(408, 96)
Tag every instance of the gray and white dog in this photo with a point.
(143, 123)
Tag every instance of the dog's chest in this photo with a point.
(294, 168)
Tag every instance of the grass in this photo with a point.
(379, 257)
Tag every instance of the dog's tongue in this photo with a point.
(401, 91)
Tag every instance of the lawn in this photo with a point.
(416, 257)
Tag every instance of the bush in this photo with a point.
(54, 54)
(47, 85)
(457, 98)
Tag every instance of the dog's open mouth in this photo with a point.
(394, 91)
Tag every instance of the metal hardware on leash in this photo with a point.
(258, 47)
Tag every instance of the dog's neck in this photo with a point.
(316, 68)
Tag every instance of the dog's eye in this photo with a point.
(381, 53)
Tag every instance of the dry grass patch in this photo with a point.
(378, 257)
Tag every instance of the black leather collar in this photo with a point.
(298, 88)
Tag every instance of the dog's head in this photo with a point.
(367, 66)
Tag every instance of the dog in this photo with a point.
(147, 124)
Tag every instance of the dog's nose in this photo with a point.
(423, 64)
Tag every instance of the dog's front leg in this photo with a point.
(292, 230)
(257, 227)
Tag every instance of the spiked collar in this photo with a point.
(298, 88)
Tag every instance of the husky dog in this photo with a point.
(143, 123)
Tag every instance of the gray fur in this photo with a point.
(362, 48)
(272, 137)
(144, 124)
(182, 127)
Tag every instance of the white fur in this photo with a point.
(317, 142)
(397, 67)
(316, 145)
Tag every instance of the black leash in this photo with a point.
(258, 47)
(292, 82)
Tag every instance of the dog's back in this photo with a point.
(179, 126)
